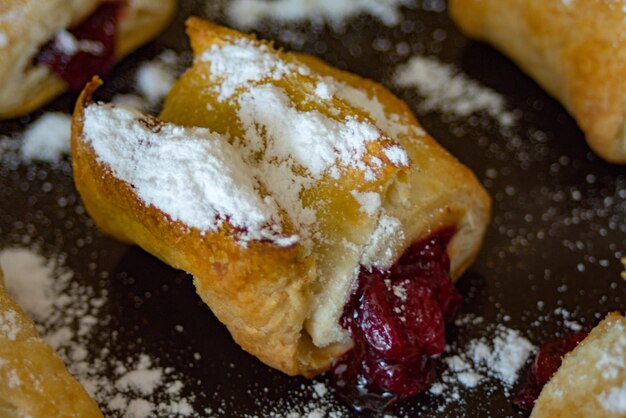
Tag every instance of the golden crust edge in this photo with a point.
(580, 406)
(237, 301)
(60, 393)
(52, 86)
(604, 126)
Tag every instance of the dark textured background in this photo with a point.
(558, 210)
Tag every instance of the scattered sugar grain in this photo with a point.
(130, 101)
(48, 138)
(320, 389)
(246, 14)
(9, 328)
(154, 80)
(369, 201)
(614, 399)
(447, 90)
(492, 361)
(29, 278)
(14, 379)
(252, 63)
(135, 386)
(143, 379)
(378, 252)
(139, 408)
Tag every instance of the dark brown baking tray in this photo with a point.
(558, 211)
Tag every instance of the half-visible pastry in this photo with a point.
(575, 49)
(49, 46)
(284, 186)
(583, 375)
(34, 382)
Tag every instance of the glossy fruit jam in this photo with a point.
(546, 363)
(86, 49)
(397, 321)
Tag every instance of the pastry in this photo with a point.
(280, 183)
(591, 380)
(49, 46)
(33, 380)
(576, 50)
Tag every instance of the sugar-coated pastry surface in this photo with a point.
(27, 25)
(575, 49)
(33, 380)
(591, 381)
(303, 174)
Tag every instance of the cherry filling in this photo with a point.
(84, 50)
(397, 321)
(546, 363)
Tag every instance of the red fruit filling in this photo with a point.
(86, 49)
(397, 321)
(546, 363)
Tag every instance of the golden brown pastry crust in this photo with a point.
(588, 374)
(26, 25)
(576, 50)
(33, 379)
(269, 297)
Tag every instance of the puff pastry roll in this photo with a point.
(275, 180)
(34, 382)
(591, 382)
(576, 50)
(49, 46)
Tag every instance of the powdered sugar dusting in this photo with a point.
(239, 63)
(142, 379)
(369, 201)
(614, 399)
(128, 387)
(389, 123)
(155, 78)
(310, 139)
(9, 328)
(29, 278)
(249, 13)
(378, 251)
(283, 149)
(48, 138)
(447, 90)
(193, 175)
(496, 357)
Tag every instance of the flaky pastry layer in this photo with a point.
(33, 380)
(283, 304)
(591, 382)
(576, 50)
(27, 25)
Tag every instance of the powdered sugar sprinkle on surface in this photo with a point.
(193, 175)
(446, 89)
(247, 14)
(239, 63)
(129, 387)
(496, 357)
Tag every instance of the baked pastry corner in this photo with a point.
(33, 380)
(29, 24)
(591, 382)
